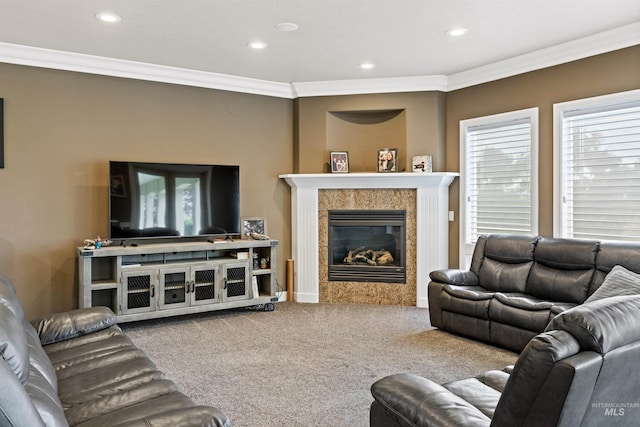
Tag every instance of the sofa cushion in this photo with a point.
(507, 263)
(603, 324)
(468, 300)
(520, 310)
(74, 323)
(619, 281)
(563, 269)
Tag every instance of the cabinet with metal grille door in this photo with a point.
(170, 279)
(235, 277)
(139, 291)
(187, 285)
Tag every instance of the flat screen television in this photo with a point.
(173, 200)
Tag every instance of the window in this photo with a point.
(597, 168)
(499, 170)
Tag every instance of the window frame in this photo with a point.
(559, 208)
(466, 246)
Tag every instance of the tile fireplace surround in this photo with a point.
(313, 194)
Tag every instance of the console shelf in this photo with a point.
(169, 279)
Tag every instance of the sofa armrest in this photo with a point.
(455, 277)
(72, 324)
(411, 400)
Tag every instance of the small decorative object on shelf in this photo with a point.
(423, 163)
(254, 225)
(258, 236)
(339, 161)
(96, 243)
(388, 160)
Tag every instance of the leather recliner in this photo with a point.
(582, 371)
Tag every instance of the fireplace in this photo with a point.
(367, 246)
(424, 196)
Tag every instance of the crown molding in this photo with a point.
(596, 44)
(369, 86)
(59, 60)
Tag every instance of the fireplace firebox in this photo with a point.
(367, 246)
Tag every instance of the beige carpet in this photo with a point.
(305, 364)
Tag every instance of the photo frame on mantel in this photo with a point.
(339, 161)
(388, 160)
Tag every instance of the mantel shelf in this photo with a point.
(370, 180)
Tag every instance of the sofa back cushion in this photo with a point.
(563, 269)
(506, 263)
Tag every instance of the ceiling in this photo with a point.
(403, 38)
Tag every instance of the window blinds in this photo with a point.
(499, 178)
(600, 170)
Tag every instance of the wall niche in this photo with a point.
(363, 132)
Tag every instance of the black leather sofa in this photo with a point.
(77, 368)
(517, 284)
(583, 371)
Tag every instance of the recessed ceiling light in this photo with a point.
(108, 17)
(456, 32)
(286, 26)
(367, 65)
(257, 45)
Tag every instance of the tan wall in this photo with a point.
(62, 128)
(599, 75)
(418, 129)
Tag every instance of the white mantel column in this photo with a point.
(304, 245)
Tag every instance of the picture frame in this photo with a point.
(388, 160)
(118, 187)
(339, 161)
(253, 224)
(422, 163)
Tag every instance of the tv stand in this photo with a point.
(169, 279)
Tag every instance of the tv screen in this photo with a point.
(173, 200)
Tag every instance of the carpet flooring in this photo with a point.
(305, 364)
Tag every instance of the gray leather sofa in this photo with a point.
(517, 284)
(583, 371)
(77, 368)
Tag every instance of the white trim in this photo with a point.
(366, 86)
(585, 47)
(596, 44)
(59, 60)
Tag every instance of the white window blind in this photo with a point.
(598, 166)
(499, 175)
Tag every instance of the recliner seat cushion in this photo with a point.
(521, 310)
(468, 300)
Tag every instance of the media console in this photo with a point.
(168, 279)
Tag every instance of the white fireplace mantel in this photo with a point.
(432, 239)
